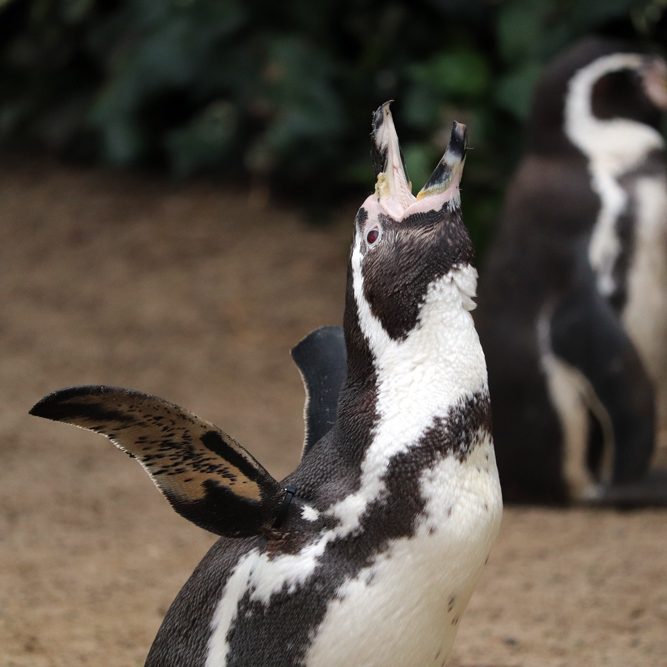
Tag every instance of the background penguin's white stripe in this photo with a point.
(620, 144)
(613, 147)
(564, 389)
(605, 246)
(573, 396)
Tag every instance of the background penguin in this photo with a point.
(369, 551)
(573, 297)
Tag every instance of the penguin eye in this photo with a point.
(372, 235)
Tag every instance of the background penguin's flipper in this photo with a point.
(322, 361)
(587, 334)
(206, 475)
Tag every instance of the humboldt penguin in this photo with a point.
(366, 554)
(573, 294)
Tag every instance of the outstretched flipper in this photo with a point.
(205, 475)
(322, 361)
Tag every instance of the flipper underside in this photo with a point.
(206, 475)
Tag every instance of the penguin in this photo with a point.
(368, 553)
(573, 293)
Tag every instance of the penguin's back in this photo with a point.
(185, 631)
(539, 252)
(536, 257)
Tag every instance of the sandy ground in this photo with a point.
(196, 295)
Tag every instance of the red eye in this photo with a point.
(372, 236)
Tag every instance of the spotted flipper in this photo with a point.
(205, 475)
(322, 361)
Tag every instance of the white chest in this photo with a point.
(645, 312)
(405, 607)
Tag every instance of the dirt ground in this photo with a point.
(197, 295)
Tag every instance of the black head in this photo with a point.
(404, 245)
(606, 79)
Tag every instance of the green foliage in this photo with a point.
(283, 92)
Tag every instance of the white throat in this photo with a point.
(444, 330)
(438, 365)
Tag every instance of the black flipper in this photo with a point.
(587, 334)
(206, 476)
(322, 361)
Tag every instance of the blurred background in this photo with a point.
(280, 94)
(165, 170)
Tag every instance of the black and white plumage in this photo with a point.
(368, 552)
(573, 296)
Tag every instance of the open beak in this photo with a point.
(654, 78)
(450, 168)
(392, 188)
